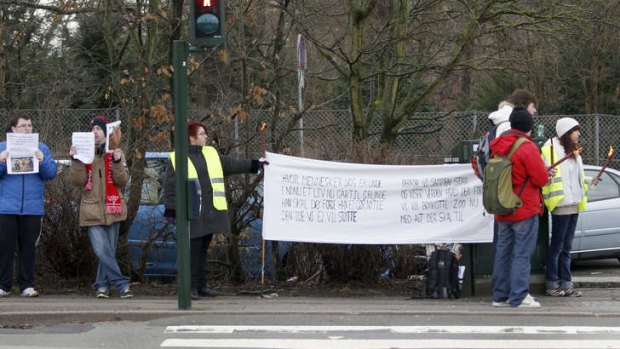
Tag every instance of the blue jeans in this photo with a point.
(558, 256)
(511, 269)
(104, 239)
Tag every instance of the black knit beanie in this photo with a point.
(100, 121)
(521, 119)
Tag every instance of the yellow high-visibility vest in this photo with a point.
(216, 174)
(553, 192)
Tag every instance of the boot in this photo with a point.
(195, 294)
(207, 292)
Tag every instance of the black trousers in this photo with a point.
(198, 248)
(21, 231)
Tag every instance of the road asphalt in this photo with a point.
(601, 298)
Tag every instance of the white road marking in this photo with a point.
(400, 329)
(379, 343)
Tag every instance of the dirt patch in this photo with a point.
(383, 287)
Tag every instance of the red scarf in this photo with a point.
(113, 204)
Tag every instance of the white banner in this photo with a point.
(343, 203)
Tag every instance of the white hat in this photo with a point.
(564, 125)
(502, 114)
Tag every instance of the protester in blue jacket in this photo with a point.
(21, 212)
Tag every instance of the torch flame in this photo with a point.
(611, 151)
(262, 127)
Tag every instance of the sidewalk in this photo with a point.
(586, 277)
(583, 278)
(601, 289)
(596, 302)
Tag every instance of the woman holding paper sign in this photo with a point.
(103, 207)
(209, 167)
(21, 211)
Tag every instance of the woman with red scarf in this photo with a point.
(103, 207)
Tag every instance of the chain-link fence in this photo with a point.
(427, 138)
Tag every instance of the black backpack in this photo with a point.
(442, 280)
(482, 156)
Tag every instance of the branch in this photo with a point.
(61, 10)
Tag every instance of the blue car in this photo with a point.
(152, 243)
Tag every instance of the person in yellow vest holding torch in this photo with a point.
(565, 197)
(209, 168)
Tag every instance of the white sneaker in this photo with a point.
(501, 304)
(4, 293)
(30, 292)
(103, 293)
(529, 302)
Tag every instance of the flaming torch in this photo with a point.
(610, 154)
(572, 154)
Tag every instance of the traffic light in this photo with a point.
(207, 23)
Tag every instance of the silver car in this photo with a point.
(598, 229)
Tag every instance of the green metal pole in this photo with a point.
(180, 52)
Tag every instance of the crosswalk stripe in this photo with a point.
(400, 329)
(380, 343)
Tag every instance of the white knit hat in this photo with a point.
(564, 125)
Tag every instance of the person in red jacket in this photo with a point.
(517, 232)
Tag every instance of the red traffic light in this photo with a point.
(206, 5)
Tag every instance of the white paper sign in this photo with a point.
(84, 143)
(110, 128)
(331, 202)
(21, 148)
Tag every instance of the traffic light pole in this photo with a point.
(180, 53)
(207, 30)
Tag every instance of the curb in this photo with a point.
(44, 317)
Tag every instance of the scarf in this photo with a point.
(113, 204)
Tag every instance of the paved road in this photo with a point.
(304, 323)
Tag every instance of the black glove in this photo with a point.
(262, 162)
(171, 216)
(259, 165)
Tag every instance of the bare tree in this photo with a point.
(395, 56)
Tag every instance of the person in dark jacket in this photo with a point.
(517, 232)
(209, 168)
(21, 211)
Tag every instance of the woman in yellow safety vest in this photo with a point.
(565, 196)
(209, 168)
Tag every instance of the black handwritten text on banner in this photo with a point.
(331, 202)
